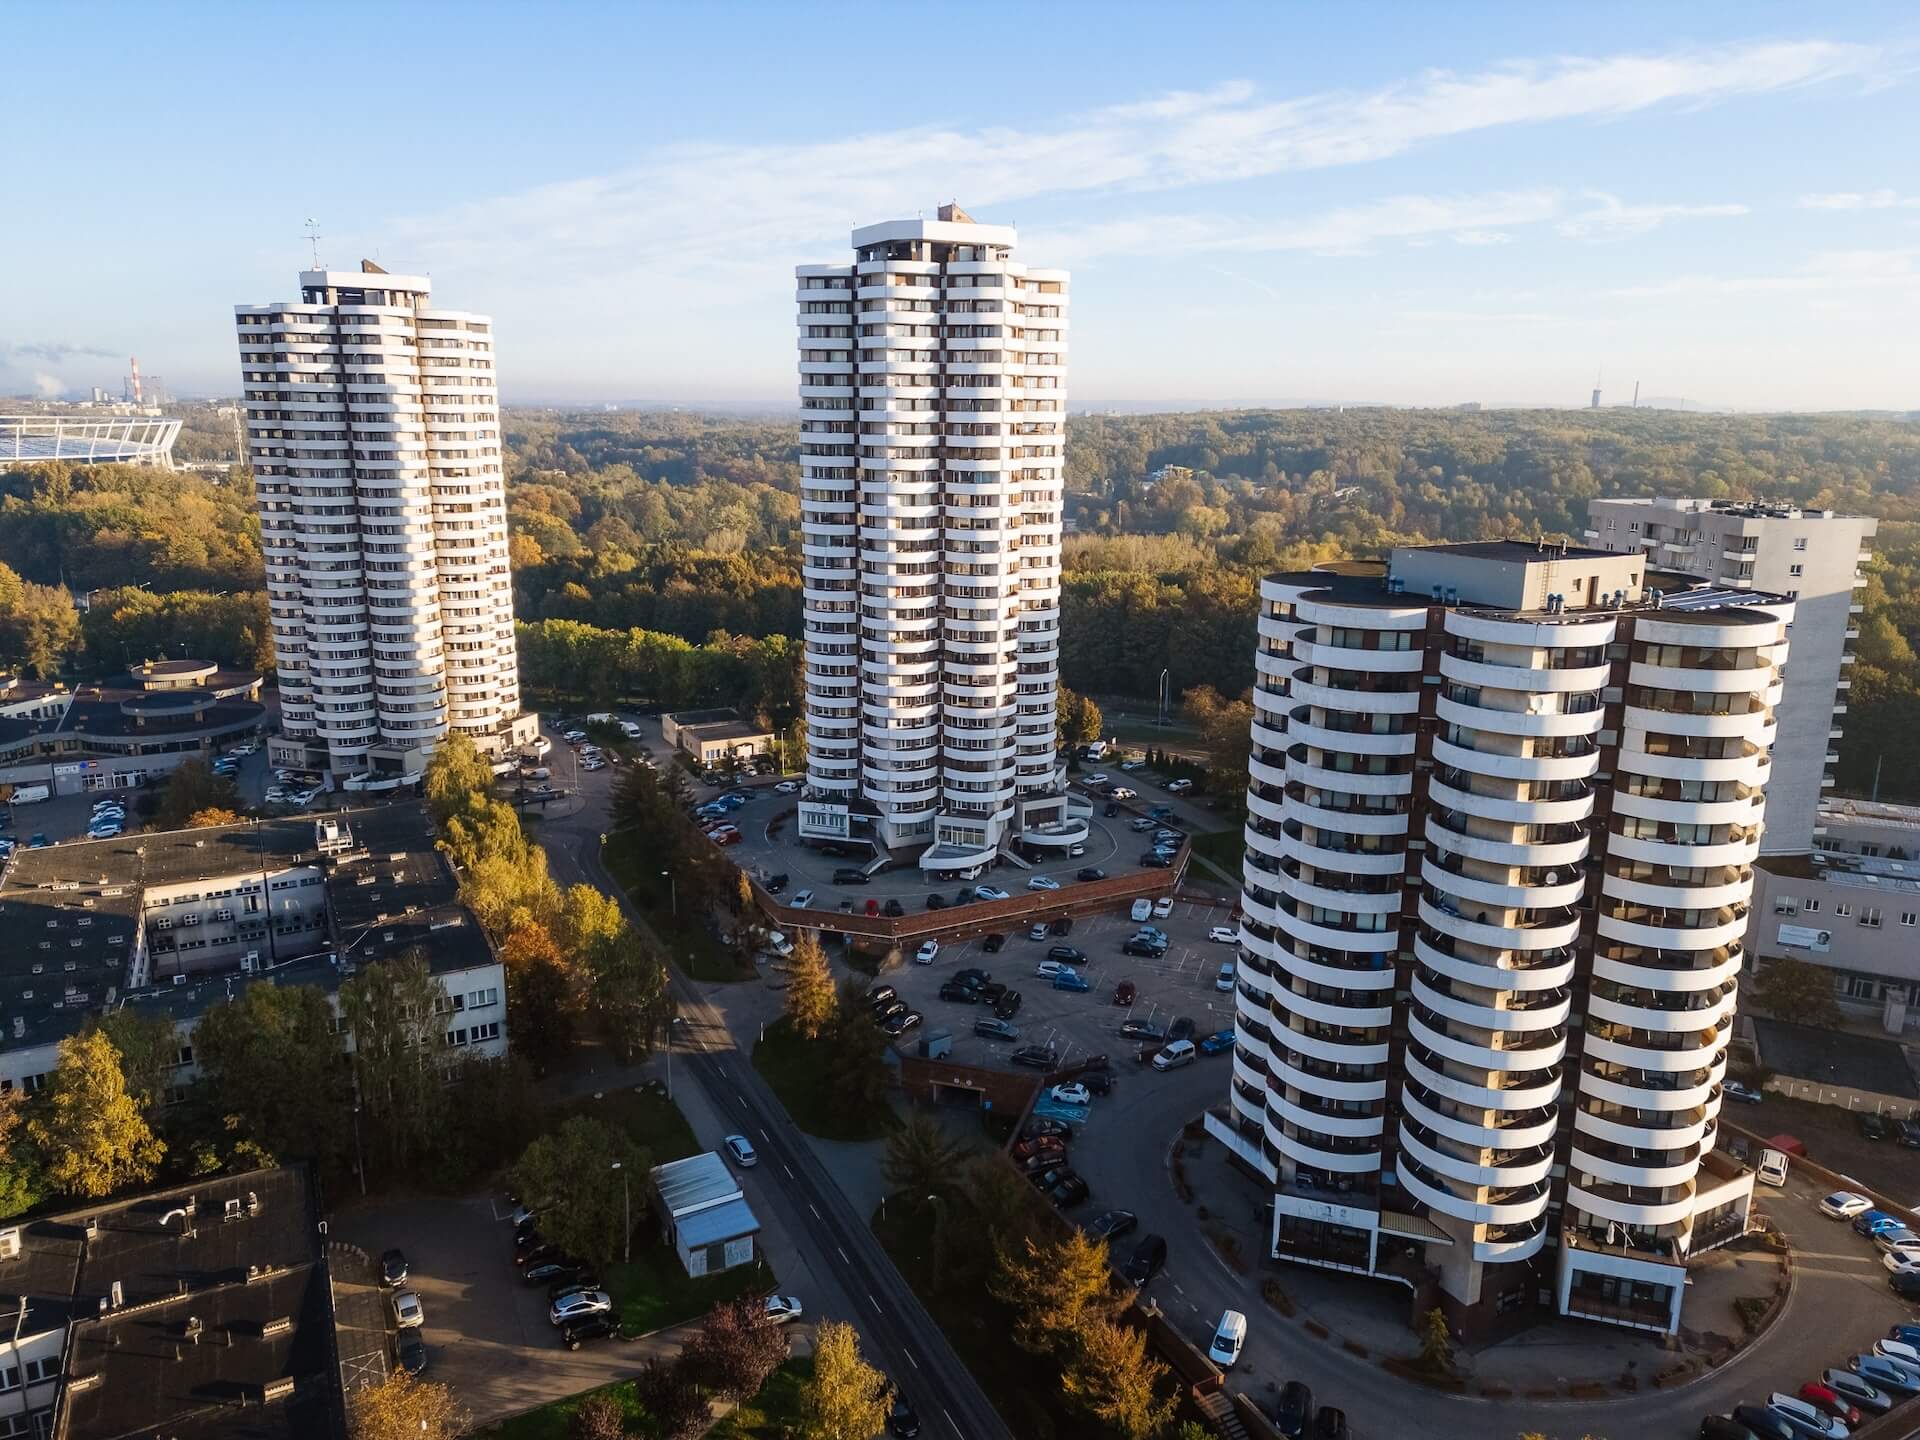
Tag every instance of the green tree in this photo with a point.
(811, 1000)
(541, 992)
(191, 787)
(628, 994)
(922, 1158)
(90, 1129)
(1112, 1378)
(1056, 1288)
(588, 918)
(845, 1399)
(598, 1417)
(23, 1179)
(1436, 1343)
(457, 777)
(1797, 990)
(672, 1401)
(853, 1052)
(271, 1063)
(149, 1049)
(395, 1011)
(569, 1176)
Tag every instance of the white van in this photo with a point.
(1773, 1169)
(1173, 1055)
(1142, 909)
(1227, 1339)
(779, 944)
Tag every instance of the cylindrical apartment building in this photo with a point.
(932, 435)
(373, 428)
(1502, 810)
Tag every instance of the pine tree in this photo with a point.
(811, 1001)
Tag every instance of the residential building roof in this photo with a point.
(728, 1220)
(696, 1183)
(1831, 1057)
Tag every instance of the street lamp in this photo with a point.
(673, 891)
(626, 1209)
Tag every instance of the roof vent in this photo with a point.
(277, 1389)
(10, 1243)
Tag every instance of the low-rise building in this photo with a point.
(171, 923)
(703, 1214)
(1851, 907)
(194, 1312)
(713, 737)
(126, 731)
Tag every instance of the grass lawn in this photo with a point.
(654, 1292)
(636, 869)
(550, 1421)
(1223, 847)
(774, 1413)
(652, 1120)
(796, 1070)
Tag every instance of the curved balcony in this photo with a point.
(1344, 1014)
(1691, 1128)
(1718, 928)
(1511, 1248)
(1540, 1090)
(1527, 1128)
(1333, 1052)
(1617, 1045)
(1302, 771)
(1700, 679)
(1747, 769)
(1567, 634)
(1527, 1167)
(1303, 690)
(1628, 1205)
(1529, 971)
(1538, 1050)
(1377, 974)
(1298, 809)
(1361, 660)
(1451, 795)
(1739, 851)
(1308, 610)
(1502, 766)
(1749, 724)
(1325, 937)
(1328, 1123)
(1305, 1152)
(1325, 1087)
(1741, 810)
(1653, 1171)
(1684, 972)
(1679, 895)
(1641, 1096)
(1502, 1207)
(1302, 730)
(1550, 1014)
(1520, 679)
(1331, 897)
(1293, 844)
(1450, 879)
(1665, 1011)
(1555, 931)
(1442, 833)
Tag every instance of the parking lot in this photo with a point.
(1079, 1024)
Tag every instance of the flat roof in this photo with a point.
(1522, 550)
(728, 1220)
(1833, 1057)
(696, 1183)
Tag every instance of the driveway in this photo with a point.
(487, 1334)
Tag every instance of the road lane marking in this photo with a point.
(843, 1258)
(950, 1421)
(788, 1168)
(911, 1361)
(878, 1311)
(816, 1212)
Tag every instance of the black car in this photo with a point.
(1154, 860)
(1098, 1082)
(960, 991)
(1141, 1030)
(411, 1351)
(1066, 954)
(554, 1267)
(880, 994)
(1331, 1424)
(900, 1024)
(583, 1279)
(393, 1268)
(1063, 925)
(1092, 872)
(1764, 1422)
(936, 902)
(1908, 1133)
(1069, 1192)
(1874, 1127)
(1113, 809)
(1008, 1005)
(993, 943)
(777, 884)
(1182, 1029)
(894, 908)
(1295, 1411)
(1112, 1224)
(1148, 1257)
(973, 975)
(1036, 1057)
(1040, 1126)
(902, 1419)
(1147, 948)
(1905, 1284)
(852, 877)
(603, 1326)
(995, 1030)
(1048, 1176)
(891, 1011)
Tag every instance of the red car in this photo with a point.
(1825, 1398)
(1124, 992)
(1050, 1145)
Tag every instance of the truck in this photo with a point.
(28, 794)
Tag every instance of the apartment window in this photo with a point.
(43, 1369)
(1801, 543)
(1796, 570)
(1861, 987)
(1907, 917)
(1842, 909)
(1870, 917)
(1785, 905)
(1813, 907)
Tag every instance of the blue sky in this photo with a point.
(1421, 204)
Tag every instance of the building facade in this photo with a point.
(1851, 907)
(1813, 557)
(932, 437)
(1503, 812)
(373, 429)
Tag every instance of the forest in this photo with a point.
(661, 528)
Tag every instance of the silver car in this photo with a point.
(578, 1305)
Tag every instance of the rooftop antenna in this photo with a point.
(313, 238)
(1636, 394)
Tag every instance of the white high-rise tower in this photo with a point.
(373, 427)
(932, 437)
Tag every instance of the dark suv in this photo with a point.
(851, 877)
(1037, 1057)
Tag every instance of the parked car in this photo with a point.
(1223, 981)
(1908, 1134)
(1042, 1125)
(1179, 787)
(1147, 1260)
(1036, 1057)
(1739, 1090)
(994, 943)
(1066, 954)
(887, 1009)
(1806, 1419)
(991, 992)
(408, 1312)
(1141, 1030)
(893, 908)
(995, 1030)
(783, 1308)
(852, 877)
(1869, 1221)
(1294, 1412)
(1181, 1029)
(1062, 925)
(1048, 969)
(1068, 980)
(1904, 1284)
(1043, 882)
(903, 1421)
(1217, 1043)
(1762, 1424)
(1885, 1374)
(393, 1268)
(1073, 1093)
(900, 1024)
(1892, 1236)
(1331, 1424)
(1069, 1192)
(972, 975)
(742, 1151)
(801, 899)
(600, 1325)
(1852, 1387)
(961, 992)
(1154, 860)
(1873, 1127)
(1844, 1205)
(990, 892)
(928, 952)
(1228, 1338)
(1090, 872)
(1008, 1005)
(578, 1305)
(1151, 949)
(1125, 992)
(1112, 1224)
(1822, 1397)
(550, 1269)
(1174, 1054)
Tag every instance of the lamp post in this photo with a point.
(626, 1210)
(673, 891)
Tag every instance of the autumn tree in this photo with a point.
(666, 1391)
(1111, 1377)
(456, 778)
(540, 992)
(403, 1408)
(90, 1129)
(23, 1179)
(598, 1417)
(846, 1398)
(734, 1351)
(1056, 1288)
(1226, 733)
(629, 995)
(811, 1000)
(211, 816)
(1797, 990)
(587, 918)
(922, 1158)
(149, 1047)
(191, 788)
(568, 1176)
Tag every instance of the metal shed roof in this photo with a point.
(696, 1183)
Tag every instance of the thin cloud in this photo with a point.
(1887, 273)
(1860, 200)
(54, 351)
(1612, 219)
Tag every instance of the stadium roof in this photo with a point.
(89, 440)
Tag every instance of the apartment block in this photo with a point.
(1504, 805)
(932, 435)
(1813, 557)
(373, 429)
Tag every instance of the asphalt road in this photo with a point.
(896, 1332)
